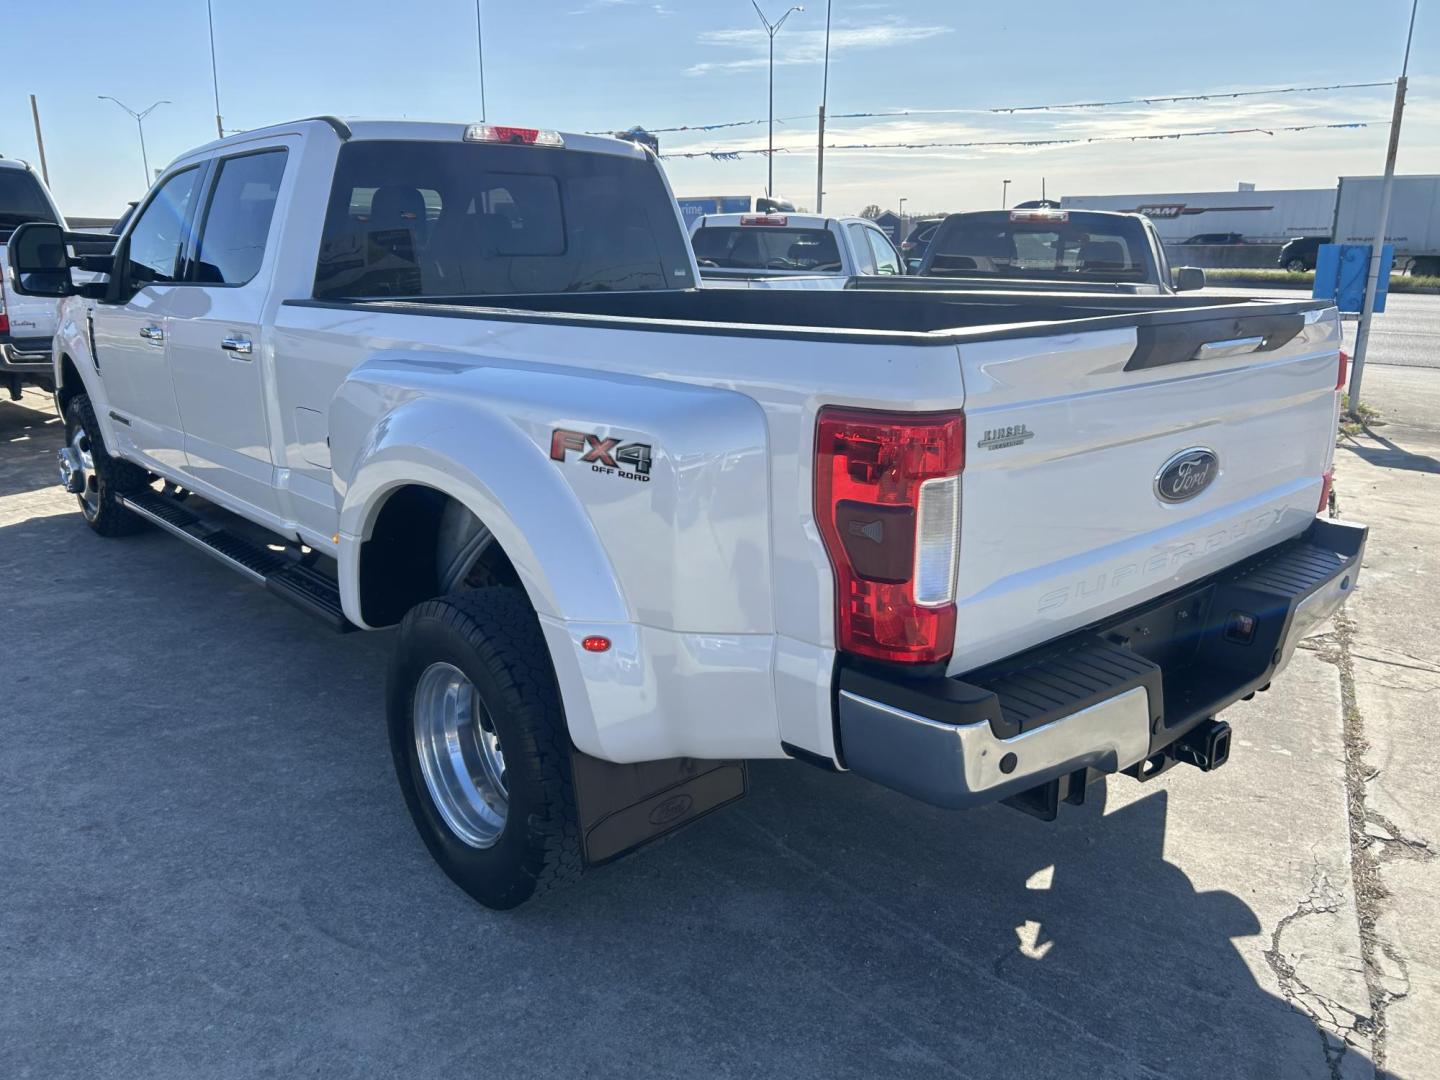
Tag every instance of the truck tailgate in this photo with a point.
(1068, 439)
(32, 319)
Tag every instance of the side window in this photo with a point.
(155, 240)
(864, 257)
(237, 220)
(887, 261)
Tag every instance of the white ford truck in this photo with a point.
(790, 251)
(27, 324)
(460, 380)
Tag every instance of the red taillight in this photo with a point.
(779, 220)
(4, 315)
(595, 643)
(887, 501)
(500, 133)
(1344, 370)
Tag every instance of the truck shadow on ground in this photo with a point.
(1390, 456)
(206, 869)
(29, 437)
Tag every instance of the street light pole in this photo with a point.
(1372, 277)
(824, 100)
(1004, 193)
(140, 126)
(772, 29)
(901, 237)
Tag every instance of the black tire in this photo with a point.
(110, 476)
(1296, 266)
(493, 637)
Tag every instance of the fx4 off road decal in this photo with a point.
(630, 461)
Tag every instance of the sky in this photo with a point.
(581, 65)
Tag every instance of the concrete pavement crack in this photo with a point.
(1365, 862)
(1334, 1023)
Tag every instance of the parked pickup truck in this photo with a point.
(459, 380)
(1046, 249)
(790, 251)
(27, 324)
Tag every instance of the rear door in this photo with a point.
(1108, 467)
(215, 351)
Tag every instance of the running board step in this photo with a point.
(301, 585)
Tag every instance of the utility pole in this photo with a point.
(480, 57)
(824, 100)
(772, 29)
(214, 73)
(39, 140)
(901, 230)
(1372, 277)
(140, 126)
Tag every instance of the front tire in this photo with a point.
(1296, 266)
(481, 750)
(102, 477)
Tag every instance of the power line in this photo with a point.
(1213, 95)
(731, 155)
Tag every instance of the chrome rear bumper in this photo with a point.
(1098, 700)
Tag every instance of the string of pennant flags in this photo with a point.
(1213, 95)
(735, 155)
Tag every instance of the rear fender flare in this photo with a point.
(487, 464)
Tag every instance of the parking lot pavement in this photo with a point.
(1406, 335)
(206, 868)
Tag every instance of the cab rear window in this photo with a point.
(466, 219)
(765, 247)
(21, 200)
(1003, 248)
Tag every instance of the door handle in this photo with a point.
(152, 333)
(239, 345)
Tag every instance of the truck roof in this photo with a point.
(418, 130)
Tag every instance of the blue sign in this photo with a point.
(693, 207)
(1340, 272)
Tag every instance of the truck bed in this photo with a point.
(920, 317)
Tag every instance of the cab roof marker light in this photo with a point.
(1057, 216)
(515, 136)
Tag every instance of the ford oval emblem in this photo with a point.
(1186, 474)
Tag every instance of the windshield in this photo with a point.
(991, 245)
(471, 219)
(21, 199)
(766, 247)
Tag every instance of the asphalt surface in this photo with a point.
(206, 869)
(1405, 334)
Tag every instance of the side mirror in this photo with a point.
(39, 261)
(1189, 278)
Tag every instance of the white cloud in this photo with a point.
(797, 46)
(594, 6)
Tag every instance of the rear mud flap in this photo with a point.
(625, 806)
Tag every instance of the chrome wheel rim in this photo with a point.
(460, 755)
(89, 494)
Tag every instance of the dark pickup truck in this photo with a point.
(1049, 250)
